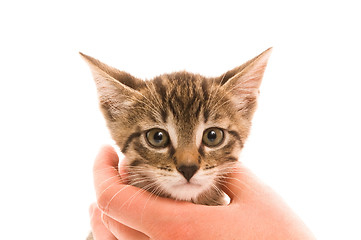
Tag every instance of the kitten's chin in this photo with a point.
(186, 191)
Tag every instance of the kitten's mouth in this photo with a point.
(187, 184)
(186, 191)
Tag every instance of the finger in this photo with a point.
(129, 205)
(106, 172)
(110, 157)
(99, 231)
(121, 231)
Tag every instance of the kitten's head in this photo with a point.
(180, 132)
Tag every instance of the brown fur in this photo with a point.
(186, 101)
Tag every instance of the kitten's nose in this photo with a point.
(188, 170)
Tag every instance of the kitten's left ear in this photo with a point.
(244, 83)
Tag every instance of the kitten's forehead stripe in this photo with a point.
(183, 97)
(217, 117)
(160, 88)
(205, 115)
(198, 110)
(162, 92)
(205, 90)
(170, 104)
(164, 115)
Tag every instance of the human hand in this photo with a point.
(127, 212)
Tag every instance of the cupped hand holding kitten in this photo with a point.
(127, 212)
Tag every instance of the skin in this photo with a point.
(126, 212)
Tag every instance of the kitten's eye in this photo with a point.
(157, 137)
(212, 137)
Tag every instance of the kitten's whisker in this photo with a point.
(214, 186)
(107, 168)
(139, 192)
(142, 175)
(136, 182)
(236, 186)
(145, 189)
(109, 179)
(154, 193)
(233, 171)
(117, 182)
(225, 186)
(214, 190)
(228, 171)
(231, 178)
(120, 190)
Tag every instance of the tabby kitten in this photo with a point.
(181, 133)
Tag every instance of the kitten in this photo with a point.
(181, 133)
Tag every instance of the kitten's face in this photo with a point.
(181, 133)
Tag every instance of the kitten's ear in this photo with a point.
(116, 89)
(243, 83)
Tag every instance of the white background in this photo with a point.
(305, 141)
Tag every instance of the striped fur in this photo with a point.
(184, 105)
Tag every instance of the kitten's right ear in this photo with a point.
(116, 89)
